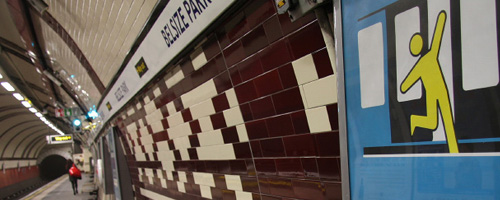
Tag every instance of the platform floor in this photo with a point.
(60, 188)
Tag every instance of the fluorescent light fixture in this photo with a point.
(33, 110)
(7, 86)
(18, 96)
(26, 104)
(38, 114)
(43, 119)
(52, 78)
(1, 76)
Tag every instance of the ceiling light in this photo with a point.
(7, 86)
(38, 114)
(26, 104)
(18, 96)
(1, 76)
(33, 110)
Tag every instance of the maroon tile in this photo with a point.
(236, 27)
(273, 29)
(195, 126)
(272, 147)
(281, 187)
(250, 167)
(222, 37)
(254, 40)
(230, 135)
(268, 83)
(216, 193)
(177, 155)
(178, 104)
(265, 167)
(235, 76)
(246, 112)
(220, 102)
(287, 76)
(198, 77)
(184, 85)
(192, 188)
(223, 166)
(256, 196)
(186, 115)
(189, 174)
(262, 108)
(288, 26)
(288, 101)
(164, 111)
(322, 63)
(150, 129)
(329, 169)
(289, 167)
(242, 150)
(333, 116)
(193, 140)
(200, 166)
(220, 181)
(211, 47)
(218, 120)
(249, 184)
(171, 144)
(258, 11)
(234, 53)
(276, 55)
(301, 47)
(310, 168)
(187, 67)
(250, 68)
(256, 151)
(305, 189)
(328, 143)
(280, 126)
(300, 145)
(238, 167)
(228, 194)
(160, 136)
(265, 187)
(256, 129)
(223, 82)
(193, 155)
(245, 92)
(333, 191)
(299, 120)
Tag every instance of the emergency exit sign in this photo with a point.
(68, 112)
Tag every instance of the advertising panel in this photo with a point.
(422, 98)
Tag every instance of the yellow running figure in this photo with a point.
(428, 70)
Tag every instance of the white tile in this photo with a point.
(303, 95)
(233, 182)
(205, 124)
(146, 99)
(148, 172)
(210, 138)
(184, 154)
(240, 195)
(162, 146)
(165, 155)
(141, 124)
(233, 116)
(242, 133)
(321, 92)
(155, 116)
(318, 120)
(216, 152)
(159, 173)
(206, 192)
(182, 176)
(198, 58)
(179, 131)
(138, 106)
(180, 187)
(171, 108)
(157, 127)
(149, 149)
(163, 183)
(305, 70)
(131, 128)
(175, 119)
(182, 142)
(147, 139)
(231, 97)
(157, 92)
(203, 109)
(140, 156)
(168, 166)
(150, 179)
(203, 92)
(170, 176)
(174, 76)
(149, 108)
(153, 195)
(130, 111)
(205, 179)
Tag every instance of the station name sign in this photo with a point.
(59, 139)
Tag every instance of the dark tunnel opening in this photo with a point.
(52, 167)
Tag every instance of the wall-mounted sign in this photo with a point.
(177, 26)
(421, 82)
(59, 139)
(68, 112)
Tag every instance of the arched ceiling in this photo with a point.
(62, 55)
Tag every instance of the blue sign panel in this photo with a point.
(422, 98)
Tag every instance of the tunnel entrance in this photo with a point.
(52, 167)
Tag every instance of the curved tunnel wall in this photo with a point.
(250, 114)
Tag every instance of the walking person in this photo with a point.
(74, 174)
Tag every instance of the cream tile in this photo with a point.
(179, 131)
(203, 109)
(318, 120)
(130, 111)
(171, 108)
(184, 154)
(216, 152)
(182, 142)
(146, 99)
(242, 133)
(233, 182)
(206, 192)
(180, 187)
(201, 93)
(174, 76)
(198, 58)
(205, 179)
(175, 119)
(305, 70)
(240, 195)
(205, 124)
(149, 108)
(182, 176)
(157, 126)
(233, 116)
(157, 92)
(231, 97)
(210, 138)
(163, 183)
(321, 92)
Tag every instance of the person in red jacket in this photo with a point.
(72, 179)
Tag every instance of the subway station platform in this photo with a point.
(60, 188)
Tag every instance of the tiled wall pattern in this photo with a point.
(250, 114)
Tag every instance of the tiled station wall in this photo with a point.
(250, 114)
(12, 174)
